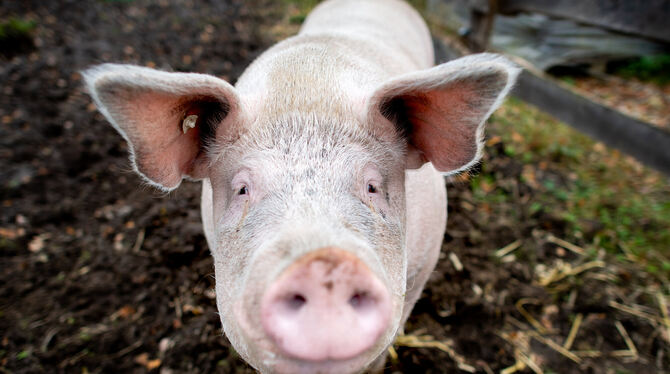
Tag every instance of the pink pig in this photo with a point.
(323, 198)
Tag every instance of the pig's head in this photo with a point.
(304, 212)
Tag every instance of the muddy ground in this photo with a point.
(100, 274)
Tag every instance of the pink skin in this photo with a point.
(326, 306)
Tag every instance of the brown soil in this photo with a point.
(102, 275)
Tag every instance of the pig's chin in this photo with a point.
(353, 365)
(277, 362)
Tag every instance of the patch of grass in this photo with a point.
(300, 9)
(290, 14)
(419, 5)
(647, 68)
(569, 80)
(16, 36)
(22, 355)
(607, 199)
(7, 245)
(298, 18)
(16, 27)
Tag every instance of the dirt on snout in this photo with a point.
(102, 274)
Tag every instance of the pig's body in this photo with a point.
(323, 200)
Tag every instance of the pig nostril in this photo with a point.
(295, 301)
(360, 300)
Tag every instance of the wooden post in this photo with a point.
(482, 15)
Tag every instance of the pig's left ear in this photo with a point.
(167, 118)
(442, 110)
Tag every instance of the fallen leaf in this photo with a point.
(124, 312)
(142, 359)
(493, 141)
(196, 310)
(37, 243)
(10, 233)
(153, 364)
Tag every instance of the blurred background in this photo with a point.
(557, 252)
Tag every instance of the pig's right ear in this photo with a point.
(167, 118)
(441, 111)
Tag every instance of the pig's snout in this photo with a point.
(328, 305)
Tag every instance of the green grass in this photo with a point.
(16, 27)
(647, 68)
(22, 355)
(607, 199)
(300, 9)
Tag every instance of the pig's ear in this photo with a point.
(150, 109)
(442, 110)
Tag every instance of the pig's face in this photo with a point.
(304, 213)
(297, 187)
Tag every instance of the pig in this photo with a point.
(323, 192)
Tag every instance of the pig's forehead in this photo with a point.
(301, 139)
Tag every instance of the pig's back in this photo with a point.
(344, 51)
(389, 24)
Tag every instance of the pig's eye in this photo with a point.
(372, 188)
(241, 186)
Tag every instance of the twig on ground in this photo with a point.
(636, 312)
(588, 354)
(519, 306)
(573, 331)
(47, 339)
(571, 299)
(455, 261)
(627, 353)
(567, 245)
(427, 341)
(567, 270)
(520, 341)
(127, 350)
(630, 256)
(603, 277)
(530, 363)
(393, 353)
(484, 366)
(508, 248)
(553, 345)
(548, 342)
(664, 312)
(518, 365)
(139, 241)
(74, 359)
(627, 339)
